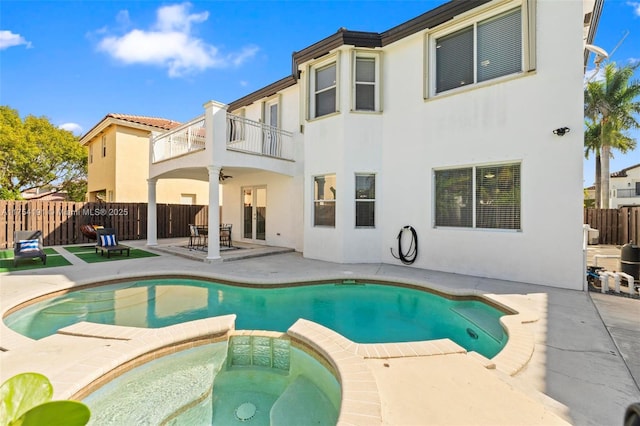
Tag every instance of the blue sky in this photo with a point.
(76, 61)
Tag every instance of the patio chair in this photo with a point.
(195, 237)
(28, 245)
(107, 241)
(225, 234)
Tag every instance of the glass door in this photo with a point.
(254, 213)
(271, 143)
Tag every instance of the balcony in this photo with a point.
(627, 193)
(189, 137)
(242, 135)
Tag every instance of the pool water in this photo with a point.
(207, 385)
(364, 313)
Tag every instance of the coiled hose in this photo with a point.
(409, 256)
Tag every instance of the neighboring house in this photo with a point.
(445, 123)
(625, 187)
(45, 195)
(118, 163)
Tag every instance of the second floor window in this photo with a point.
(324, 91)
(365, 96)
(483, 51)
(104, 145)
(90, 153)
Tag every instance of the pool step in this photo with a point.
(302, 403)
(261, 351)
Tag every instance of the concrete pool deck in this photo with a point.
(581, 371)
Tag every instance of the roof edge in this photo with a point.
(264, 92)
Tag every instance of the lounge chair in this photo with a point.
(107, 241)
(28, 245)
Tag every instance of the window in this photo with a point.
(324, 200)
(486, 50)
(90, 153)
(365, 84)
(104, 145)
(478, 197)
(323, 90)
(365, 200)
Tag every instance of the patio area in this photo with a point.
(583, 369)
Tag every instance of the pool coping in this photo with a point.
(129, 347)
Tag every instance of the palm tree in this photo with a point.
(610, 104)
(592, 138)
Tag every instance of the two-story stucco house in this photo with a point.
(444, 123)
(118, 169)
(625, 187)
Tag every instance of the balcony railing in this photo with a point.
(243, 135)
(187, 138)
(252, 137)
(627, 193)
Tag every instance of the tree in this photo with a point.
(34, 153)
(610, 107)
(592, 138)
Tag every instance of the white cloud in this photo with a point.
(170, 44)
(246, 53)
(9, 39)
(636, 7)
(244, 83)
(74, 128)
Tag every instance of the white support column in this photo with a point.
(152, 217)
(213, 240)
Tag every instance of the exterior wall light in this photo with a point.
(561, 131)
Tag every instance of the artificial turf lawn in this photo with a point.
(53, 259)
(89, 255)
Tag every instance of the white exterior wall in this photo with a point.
(283, 212)
(510, 121)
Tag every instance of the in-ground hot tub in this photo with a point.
(250, 380)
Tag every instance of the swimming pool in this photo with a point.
(364, 313)
(215, 384)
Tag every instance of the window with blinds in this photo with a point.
(454, 197)
(478, 197)
(498, 196)
(486, 50)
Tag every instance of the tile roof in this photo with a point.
(623, 172)
(161, 123)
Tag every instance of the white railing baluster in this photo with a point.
(258, 138)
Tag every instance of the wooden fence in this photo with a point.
(616, 226)
(60, 221)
